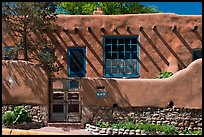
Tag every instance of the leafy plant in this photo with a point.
(8, 117)
(164, 74)
(195, 132)
(102, 124)
(17, 116)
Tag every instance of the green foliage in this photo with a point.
(109, 8)
(164, 74)
(102, 124)
(17, 116)
(195, 132)
(8, 117)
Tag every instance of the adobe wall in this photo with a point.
(160, 49)
(29, 86)
(184, 89)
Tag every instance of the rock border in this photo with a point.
(94, 130)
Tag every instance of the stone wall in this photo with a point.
(181, 118)
(39, 113)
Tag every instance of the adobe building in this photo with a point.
(116, 59)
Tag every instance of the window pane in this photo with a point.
(114, 55)
(127, 70)
(121, 41)
(134, 55)
(127, 55)
(108, 62)
(134, 48)
(73, 84)
(134, 41)
(134, 62)
(108, 70)
(128, 63)
(114, 62)
(127, 48)
(121, 48)
(114, 41)
(76, 60)
(107, 48)
(127, 41)
(108, 55)
(121, 70)
(108, 41)
(114, 48)
(114, 69)
(133, 70)
(121, 63)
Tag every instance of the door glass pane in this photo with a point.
(73, 108)
(58, 108)
(58, 95)
(73, 84)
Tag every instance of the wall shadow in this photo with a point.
(95, 37)
(169, 48)
(116, 31)
(68, 32)
(182, 40)
(150, 58)
(90, 47)
(104, 31)
(197, 35)
(154, 47)
(65, 44)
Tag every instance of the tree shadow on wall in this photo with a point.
(32, 77)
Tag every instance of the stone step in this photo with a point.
(67, 125)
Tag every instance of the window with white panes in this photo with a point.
(121, 55)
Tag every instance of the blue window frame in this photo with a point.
(76, 62)
(121, 54)
(10, 53)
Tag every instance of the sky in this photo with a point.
(181, 8)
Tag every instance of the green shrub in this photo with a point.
(102, 124)
(8, 117)
(195, 132)
(17, 116)
(164, 74)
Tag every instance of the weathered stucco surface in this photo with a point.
(29, 86)
(184, 88)
(160, 48)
